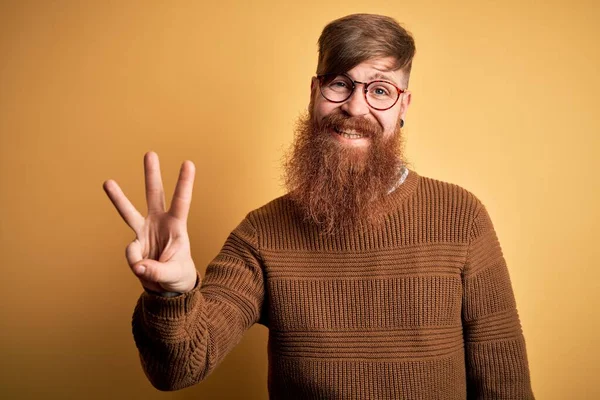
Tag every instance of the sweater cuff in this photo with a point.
(173, 307)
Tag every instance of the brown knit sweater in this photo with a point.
(420, 307)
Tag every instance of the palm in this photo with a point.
(164, 239)
(158, 237)
(161, 236)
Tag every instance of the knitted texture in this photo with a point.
(419, 307)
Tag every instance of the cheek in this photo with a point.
(385, 123)
(389, 123)
(323, 108)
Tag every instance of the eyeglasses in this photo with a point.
(380, 95)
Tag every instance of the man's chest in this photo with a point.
(410, 288)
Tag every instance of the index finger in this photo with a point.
(182, 198)
(127, 211)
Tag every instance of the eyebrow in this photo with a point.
(379, 75)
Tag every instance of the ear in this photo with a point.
(314, 88)
(404, 103)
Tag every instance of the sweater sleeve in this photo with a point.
(496, 358)
(182, 339)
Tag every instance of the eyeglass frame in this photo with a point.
(365, 90)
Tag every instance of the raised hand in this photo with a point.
(160, 254)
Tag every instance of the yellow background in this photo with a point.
(505, 104)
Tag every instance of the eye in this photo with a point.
(381, 91)
(338, 84)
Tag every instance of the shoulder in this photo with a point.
(274, 223)
(443, 193)
(449, 208)
(276, 212)
(276, 206)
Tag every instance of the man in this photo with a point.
(374, 282)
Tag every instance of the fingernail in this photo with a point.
(140, 269)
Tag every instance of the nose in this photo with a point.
(356, 105)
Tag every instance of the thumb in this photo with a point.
(156, 271)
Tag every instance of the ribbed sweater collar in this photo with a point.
(406, 188)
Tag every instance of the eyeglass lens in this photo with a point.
(380, 94)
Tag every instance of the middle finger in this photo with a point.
(155, 194)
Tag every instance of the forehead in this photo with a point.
(377, 68)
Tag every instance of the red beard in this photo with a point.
(337, 186)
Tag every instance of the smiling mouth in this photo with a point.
(349, 134)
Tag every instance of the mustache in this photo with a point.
(361, 125)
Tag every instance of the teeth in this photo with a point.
(351, 134)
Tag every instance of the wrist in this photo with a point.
(163, 294)
(173, 294)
